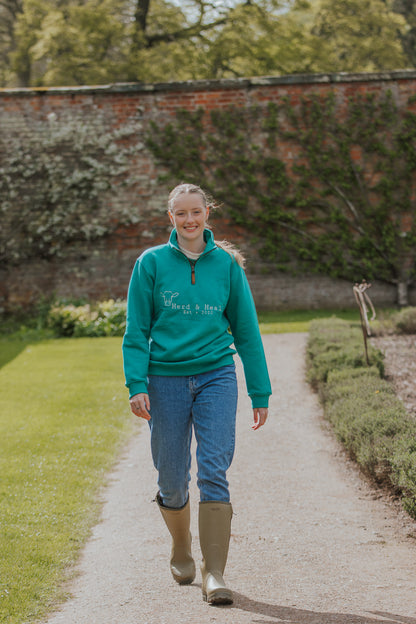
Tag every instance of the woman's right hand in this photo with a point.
(140, 405)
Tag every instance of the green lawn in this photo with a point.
(9, 349)
(299, 320)
(64, 415)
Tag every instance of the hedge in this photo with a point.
(367, 416)
(106, 318)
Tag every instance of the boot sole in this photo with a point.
(219, 597)
(186, 581)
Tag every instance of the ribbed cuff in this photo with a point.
(260, 401)
(137, 387)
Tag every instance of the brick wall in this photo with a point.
(102, 269)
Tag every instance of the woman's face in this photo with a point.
(189, 215)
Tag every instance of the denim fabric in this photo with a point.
(206, 403)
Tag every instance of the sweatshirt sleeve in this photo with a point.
(139, 320)
(241, 313)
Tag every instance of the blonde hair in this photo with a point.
(183, 188)
(233, 251)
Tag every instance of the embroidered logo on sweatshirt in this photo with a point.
(168, 296)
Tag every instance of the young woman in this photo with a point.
(188, 302)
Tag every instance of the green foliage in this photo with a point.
(358, 35)
(403, 466)
(55, 453)
(97, 41)
(58, 185)
(405, 321)
(25, 23)
(75, 43)
(46, 42)
(344, 207)
(229, 160)
(356, 176)
(261, 40)
(309, 37)
(107, 318)
(337, 344)
(407, 9)
(366, 415)
(402, 322)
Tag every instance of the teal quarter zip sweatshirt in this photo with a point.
(184, 316)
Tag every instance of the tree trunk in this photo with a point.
(140, 22)
(403, 294)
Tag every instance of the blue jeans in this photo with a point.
(207, 403)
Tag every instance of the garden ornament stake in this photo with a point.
(362, 300)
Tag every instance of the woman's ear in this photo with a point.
(172, 220)
(207, 215)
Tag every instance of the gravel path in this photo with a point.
(311, 542)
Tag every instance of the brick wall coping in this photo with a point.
(213, 85)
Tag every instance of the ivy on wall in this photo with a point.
(356, 185)
(58, 186)
(322, 185)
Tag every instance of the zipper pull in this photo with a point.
(192, 274)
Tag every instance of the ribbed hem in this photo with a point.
(186, 369)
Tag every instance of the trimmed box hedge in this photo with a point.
(367, 416)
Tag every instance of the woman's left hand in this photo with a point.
(260, 416)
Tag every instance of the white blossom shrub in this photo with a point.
(106, 318)
(59, 185)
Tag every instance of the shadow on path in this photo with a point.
(291, 615)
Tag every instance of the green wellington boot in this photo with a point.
(178, 521)
(214, 536)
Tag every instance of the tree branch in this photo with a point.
(12, 7)
(348, 203)
(184, 33)
(298, 231)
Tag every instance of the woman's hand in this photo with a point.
(260, 416)
(140, 405)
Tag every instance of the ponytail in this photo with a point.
(233, 251)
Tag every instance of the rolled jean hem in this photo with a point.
(161, 503)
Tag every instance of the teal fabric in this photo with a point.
(178, 328)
